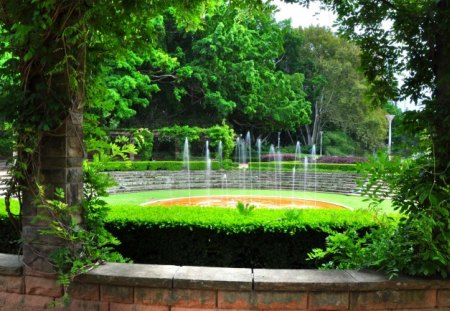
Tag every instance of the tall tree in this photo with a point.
(227, 72)
(49, 42)
(334, 85)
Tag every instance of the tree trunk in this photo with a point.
(57, 164)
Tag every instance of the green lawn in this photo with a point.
(137, 198)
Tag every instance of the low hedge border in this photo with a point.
(201, 165)
(224, 237)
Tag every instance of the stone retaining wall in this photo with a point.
(135, 287)
(159, 180)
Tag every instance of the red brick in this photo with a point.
(153, 296)
(443, 298)
(113, 293)
(193, 298)
(393, 299)
(11, 284)
(236, 300)
(193, 309)
(80, 305)
(84, 291)
(281, 300)
(114, 306)
(42, 286)
(328, 301)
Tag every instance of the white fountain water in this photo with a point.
(258, 146)
(208, 167)
(220, 155)
(248, 149)
(314, 161)
(273, 158)
(296, 159)
(186, 165)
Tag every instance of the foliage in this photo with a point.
(418, 244)
(162, 165)
(86, 244)
(222, 237)
(341, 160)
(215, 134)
(244, 208)
(288, 166)
(226, 71)
(335, 87)
(143, 138)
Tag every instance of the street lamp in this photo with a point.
(390, 117)
(321, 136)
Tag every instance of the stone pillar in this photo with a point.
(58, 164)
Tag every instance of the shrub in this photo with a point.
(288, 166)
(224, 236)
(162, 165)
(9, 242)
(341, 160)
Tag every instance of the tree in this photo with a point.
(416, 43)
(334, 85)
(227, 71)
(54, 48)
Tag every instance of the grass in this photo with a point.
(127, 207)
(137, 198)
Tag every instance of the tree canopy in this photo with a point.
(335, 86)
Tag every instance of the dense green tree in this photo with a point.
(334, 85)
(411, 37)
(227, 71)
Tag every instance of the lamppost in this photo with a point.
(390, 117)
(321, 136)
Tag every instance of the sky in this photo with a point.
(314, 15)
(302, 16)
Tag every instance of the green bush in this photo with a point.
(288, 166)
(143, 138)
(162, 165)
(225, 237)
(9, 242)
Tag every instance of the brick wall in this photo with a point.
(135, 287)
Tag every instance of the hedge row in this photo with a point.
(201, 165)
(224, 237)
(9, 241)
(162, 165)
(267, 166)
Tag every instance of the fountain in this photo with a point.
(278, 179)
(186, 164)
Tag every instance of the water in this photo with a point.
(220, 155)
(186, 164)
(208, 167)
(224, 185)
(258, 147)
(314, 159)
(272, 157)
(279, 168)
(305, 175)
(296, 159)
(248, 149)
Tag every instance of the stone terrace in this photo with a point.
(133, 287)
(159, 180)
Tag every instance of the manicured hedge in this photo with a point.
(223, 237)
(9, 238)
(201, 165)
(161, 165)
(328, 167)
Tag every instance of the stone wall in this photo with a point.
(159, 180)
(134, 287)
